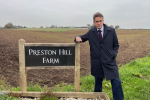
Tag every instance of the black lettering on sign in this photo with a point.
(49, 56)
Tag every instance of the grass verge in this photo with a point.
(48, 95)
(135, 78)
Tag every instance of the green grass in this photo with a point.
(135, 78)
(31, 87)
(4, 86)
(6, 97)
(48, 29)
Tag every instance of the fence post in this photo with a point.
(22, 69)
(77, 67)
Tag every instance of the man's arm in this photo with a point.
(115, 44)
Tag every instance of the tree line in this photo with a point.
(10, 25)
(116, 27)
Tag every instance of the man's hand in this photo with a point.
(78, 39)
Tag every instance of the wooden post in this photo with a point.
(77, 68)
(22, 69)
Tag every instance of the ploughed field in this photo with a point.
(133, 44)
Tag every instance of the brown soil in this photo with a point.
(133, 44)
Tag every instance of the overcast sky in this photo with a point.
(36, 13)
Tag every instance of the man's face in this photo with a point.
(98, 22)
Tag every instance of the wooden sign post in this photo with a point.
(48, 56)
(22, 69)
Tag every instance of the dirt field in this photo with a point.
(133, 44)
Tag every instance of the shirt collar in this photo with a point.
(101, 28)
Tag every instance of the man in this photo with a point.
(104, 46)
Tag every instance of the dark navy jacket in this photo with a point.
(103, 53)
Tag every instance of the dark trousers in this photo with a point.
(116, 87)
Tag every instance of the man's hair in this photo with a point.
(97, 15)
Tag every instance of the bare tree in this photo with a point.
(41, 26)
(112, 26)
(117, 27)
(88, 26)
